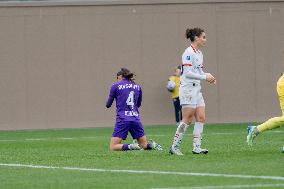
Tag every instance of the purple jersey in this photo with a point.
(128, 96)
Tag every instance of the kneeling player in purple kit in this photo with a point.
(128, 96)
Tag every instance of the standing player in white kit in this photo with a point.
(190, 95)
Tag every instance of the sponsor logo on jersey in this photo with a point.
(131, 113)
(127, 86)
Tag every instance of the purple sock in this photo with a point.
(125, 147)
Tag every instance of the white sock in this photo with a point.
(197, 133)
(179, 134)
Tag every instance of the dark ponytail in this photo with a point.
(125, 73)
(192, 33)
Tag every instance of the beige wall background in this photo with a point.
(58, 59)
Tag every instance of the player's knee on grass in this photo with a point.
(142, 141)
(115, 143)
(111, 147)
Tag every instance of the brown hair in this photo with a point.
(191, 33)
(125, 73)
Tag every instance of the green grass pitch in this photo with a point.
(79, 158)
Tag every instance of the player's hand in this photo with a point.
(210, 78)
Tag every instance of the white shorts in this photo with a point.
(191, 96)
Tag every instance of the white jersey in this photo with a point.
(192, 63)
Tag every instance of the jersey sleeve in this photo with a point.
(139, 98)
(187, 58)
(112, 94)
(197, 76)
(189, 62)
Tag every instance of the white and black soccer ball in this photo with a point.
(171, 85)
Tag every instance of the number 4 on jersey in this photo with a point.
(130, 99)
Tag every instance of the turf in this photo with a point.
(88, 148)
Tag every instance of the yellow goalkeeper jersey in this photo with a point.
(280, 91)
(280, 87)
(176, 79)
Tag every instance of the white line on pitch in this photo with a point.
(276, 131)
(228, 186)
(35, 139)
(49, 139)
(147, 172)
(8, 140)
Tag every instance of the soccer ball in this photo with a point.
(283, 149)
(171, 85)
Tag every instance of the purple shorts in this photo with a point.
(135, 128)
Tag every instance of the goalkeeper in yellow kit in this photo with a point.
(272, 123)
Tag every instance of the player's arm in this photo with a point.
(139, 98)
(188, 60)
(111, 96)
(206, 76)
(192, 75)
